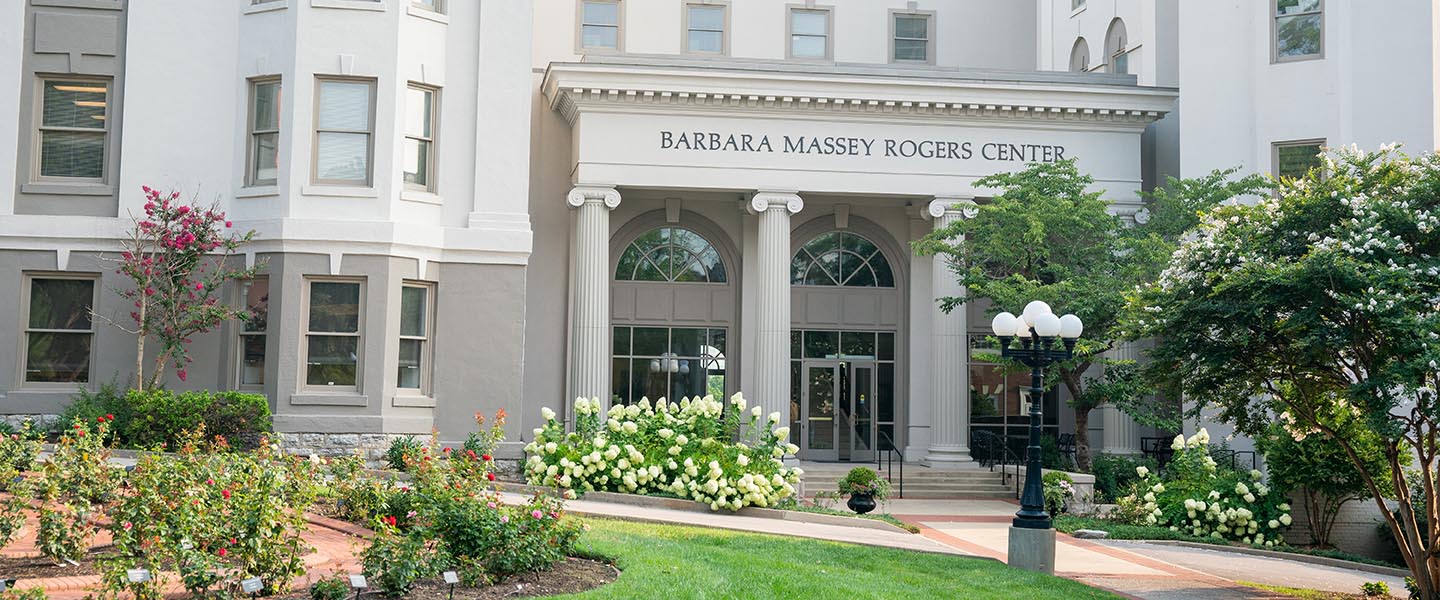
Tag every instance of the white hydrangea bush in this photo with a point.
(1197, 497)
(693, 449)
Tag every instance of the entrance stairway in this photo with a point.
(920, 481)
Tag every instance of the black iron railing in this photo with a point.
(995, 451)
(890, 452)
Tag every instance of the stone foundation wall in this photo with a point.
(1355, 529)
(370, 445)
(40, 422)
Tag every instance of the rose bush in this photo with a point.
(682, 449)
(1197, 497)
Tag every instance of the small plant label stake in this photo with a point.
(137, 575)
(452, 579)
(358, 583)
(252, 586)
(5, 585)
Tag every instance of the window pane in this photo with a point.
(1122, 64)
(409, 374)
(61, 303)
(1297, 36)
(821, 344)
(717, 343)
(706, 41)
(857, 343)
(1296, 161)
(912, 27)
(707, 17)
(252, 362)
(412, 311)
(1290, 7)
(342, 156)
(651, 341)
(809, 23)
(72, 154)
(807, 46)
(58, 357)
(335, 306)
(257, 305)
(649, 379)
(599, 36)
(267, 106)
(620, 380)
(417, 161)
(910, 49)
(267, 157)
(885, 347)
(417, 112)
(885, 391)
(602, 13)
(621, 344)
(74, 104)
(430, 4)
(686, 342)
(345, 105)
(331, 360)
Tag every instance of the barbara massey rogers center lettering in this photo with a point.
(859, 146)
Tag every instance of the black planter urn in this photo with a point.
(861, 502)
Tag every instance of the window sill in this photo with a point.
(1297, 59)
(1076, 12)
(68, 189)
(427, 14)
(259, 191)
(330, 399)
(266, 7)
(95, 4)
(350, 4)
(339, 191)
(422, 197)
(413, 400)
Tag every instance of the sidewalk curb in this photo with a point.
(693, 506)
(1295, 556)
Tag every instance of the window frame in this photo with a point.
(252, 134)
(1276, 146)
(829, 11)
(241, 333)
(28, 277)
(439, 8)
(929, 16)
(38, 129)
(580, 47)
(685, 29)
(1111, 56)
(432, 142)
(369, 133)
(427, 341)
(306, 334)
(1275, 57)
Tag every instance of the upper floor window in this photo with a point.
(432, 5)
(1080, 56)
(255, 301)
(332, 334)
(841, 258)
(705, 28)
(1076, 4)
(420, 137)
(1116, 52)
(74, 128)
(1298, 29)
(344, 124)
(670, 254)
(59, 330)
(810, 33)
(910, 38)
(1295, 159)
(263, 154)
(600, 24)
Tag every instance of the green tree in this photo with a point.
(1320, 309)
(1048, 236)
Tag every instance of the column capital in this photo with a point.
(764, 200)
(581, 194)
(963, 206)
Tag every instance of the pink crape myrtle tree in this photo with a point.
(177, 256)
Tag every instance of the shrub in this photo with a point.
(1058, 487)
(334, 587)
(503, 539)
(1197, 498)
(86, 405)
(1323, 473)
(395, 560)
(1115, 474)
(64, 532)
(158, 416)
(1375, 589)
(862, 480)
(684, 449)
(79, 470)
(33, 593)
(401, 451)
(18, 450)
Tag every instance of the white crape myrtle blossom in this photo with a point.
(685, 449)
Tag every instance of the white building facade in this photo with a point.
(468, 205)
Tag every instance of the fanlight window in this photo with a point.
(671, 254)
(841, 259)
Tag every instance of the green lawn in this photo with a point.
(668, 561)
(1117, 531)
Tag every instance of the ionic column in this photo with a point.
(1122, 433)
(949, 369)
(590, 291)
(770, 382)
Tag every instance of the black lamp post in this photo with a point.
(1037, 329)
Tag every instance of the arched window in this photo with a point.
(1115, 46)
(671, 254)
(1080, 56)
(840, 258)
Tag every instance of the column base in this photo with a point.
(941, 457)
(1032, 549)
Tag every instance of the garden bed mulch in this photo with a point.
(39, 567)
(571, 576)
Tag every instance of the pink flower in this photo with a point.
(225, 493)
(223, 552)
(127, 526)
(504, 518)
(490, 504)
(537, 514)
(199, 286)
(227, 224)
(181, 374)
(411, 514)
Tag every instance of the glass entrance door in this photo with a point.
(837, 413)
(817, 425)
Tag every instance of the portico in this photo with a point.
(746, 227)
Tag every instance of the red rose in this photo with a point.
(99, 419)
(223, 552)
(485, 456)
(232, 541)
(490, 476)
(109, 417)
(225, 493)
(80, 433)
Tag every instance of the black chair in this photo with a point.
(1066, 443)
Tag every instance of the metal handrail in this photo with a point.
(1006, 457)
(890, 453)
